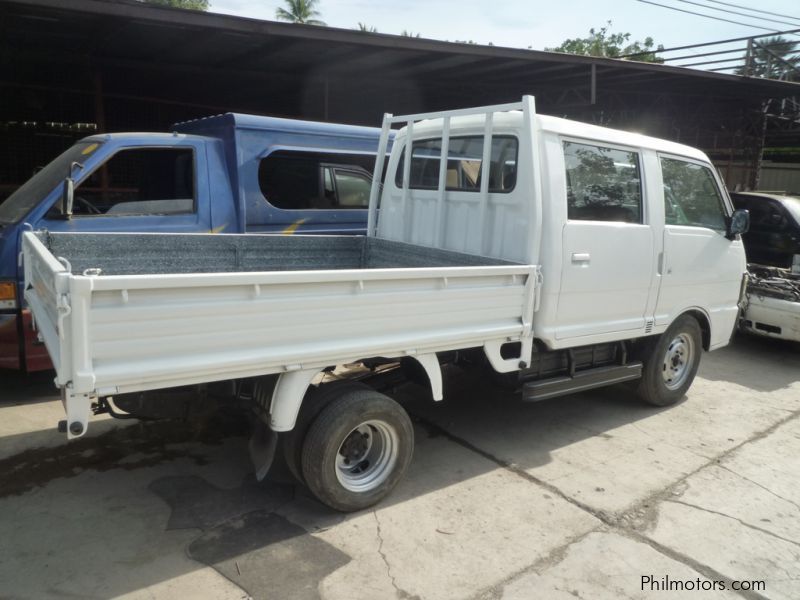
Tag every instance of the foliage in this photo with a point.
(770, 57)
(407, 33)
(191, 4)
(367, 28)
(601, 42)
(299, 11)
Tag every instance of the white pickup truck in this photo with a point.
(567, 256)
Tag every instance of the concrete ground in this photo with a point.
(591, 496)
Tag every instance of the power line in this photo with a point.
(691, 12)
(715, 43)
(741, 14)
(766, 12)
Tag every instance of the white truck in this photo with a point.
(566, 256)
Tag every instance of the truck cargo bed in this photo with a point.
(148, 254)
(130, 312)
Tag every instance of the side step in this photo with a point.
(582, 380)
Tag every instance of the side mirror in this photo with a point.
(68, 195)
(738, 223)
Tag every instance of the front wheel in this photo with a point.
(357, 450)
(672, 363)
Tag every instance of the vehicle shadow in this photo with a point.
(758, 363)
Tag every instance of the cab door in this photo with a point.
(607, 244)
(701, 268)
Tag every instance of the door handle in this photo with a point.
(581, 257)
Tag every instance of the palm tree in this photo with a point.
(300, 11)
(773, 58)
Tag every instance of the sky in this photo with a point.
(536, 23)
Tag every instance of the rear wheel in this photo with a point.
(315, 400)
(357, 450)
(672, 363)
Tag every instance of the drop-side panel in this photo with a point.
(146, 332)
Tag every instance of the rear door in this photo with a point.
(607, 243)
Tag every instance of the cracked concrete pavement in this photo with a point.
(577, 497)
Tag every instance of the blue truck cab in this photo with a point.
(229, 173)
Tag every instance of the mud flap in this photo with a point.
(262, 446)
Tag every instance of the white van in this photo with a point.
(565, 256)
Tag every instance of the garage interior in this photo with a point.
(71, 68)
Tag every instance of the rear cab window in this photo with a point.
(464, 164)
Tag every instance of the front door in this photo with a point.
(700, 267)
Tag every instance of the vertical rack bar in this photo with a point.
(377, 175)
(407, 210)
(442, 191)
(534, 207)
(486, 164)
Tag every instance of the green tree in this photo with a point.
(367, 28)
(407, 33)
(774, 58)
(192, 4)
(300, 11)
(601, 42)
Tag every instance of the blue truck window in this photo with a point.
(293, 180)
(139, 181)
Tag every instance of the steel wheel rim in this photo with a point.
(678, 361)
(367, 455)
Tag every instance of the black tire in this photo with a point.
(357, 450)
(671, 363)
(315, 400)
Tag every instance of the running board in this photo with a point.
(582, 380)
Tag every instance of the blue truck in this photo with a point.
(230, 173)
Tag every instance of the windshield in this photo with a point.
(33, 191)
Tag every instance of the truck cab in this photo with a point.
(630, 231)
(229, 173)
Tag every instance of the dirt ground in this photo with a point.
(590, 496)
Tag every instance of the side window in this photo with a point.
(691, 195)
(293, 180)
(464, 164)
(603, 184)
(140, 181)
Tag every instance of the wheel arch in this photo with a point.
(702, 318)
(291, 388)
